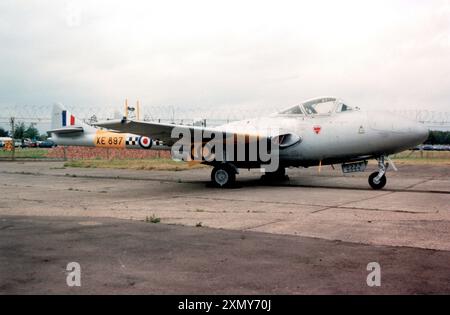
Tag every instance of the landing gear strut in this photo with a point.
(224, 175)
(278, 175)
(377, 180)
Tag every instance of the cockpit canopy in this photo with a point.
(318, 106)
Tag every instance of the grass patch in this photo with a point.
(152, 219)
(30, 153)
(135, 164)
(422, 157)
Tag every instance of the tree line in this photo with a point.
(438, 137)
(23, 131)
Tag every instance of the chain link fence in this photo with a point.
(198, 116)
(40, 115)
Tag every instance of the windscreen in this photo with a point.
(320, 107)
(295, 110)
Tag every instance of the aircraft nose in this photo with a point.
(413, 132)
(397, 131)
(421, 132)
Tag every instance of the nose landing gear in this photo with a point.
(377, 180)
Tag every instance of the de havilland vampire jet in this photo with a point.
(321, 131)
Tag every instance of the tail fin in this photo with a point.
(65, 122)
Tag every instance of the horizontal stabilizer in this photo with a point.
(67, 130)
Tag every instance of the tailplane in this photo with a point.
(64, 122)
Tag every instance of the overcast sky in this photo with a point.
(225, 54)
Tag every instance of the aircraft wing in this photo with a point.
(163, 132)
(153, 130)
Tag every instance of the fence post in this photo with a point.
(13, 126)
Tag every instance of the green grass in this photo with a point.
(135, 164)
(152, 219)
(422, 157)
(31, 153)
(406, 157)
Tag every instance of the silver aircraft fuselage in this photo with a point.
(339, 137)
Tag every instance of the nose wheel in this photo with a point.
(377, 184)
(377, 180)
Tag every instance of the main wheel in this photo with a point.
(280, 173)
(380, 184)
(223, 175)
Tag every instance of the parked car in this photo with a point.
(28, 143)
(428, 147)
(441, 147)
(47, 144)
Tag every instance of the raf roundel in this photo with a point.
(145, 142)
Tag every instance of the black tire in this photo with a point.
(379, 185)
(278, 175)
(223, 175)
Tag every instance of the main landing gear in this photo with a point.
(377, 180)
(278, 175)
(224, 175)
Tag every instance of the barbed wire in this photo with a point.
(175, 114)
(426, 116)
(187, 115)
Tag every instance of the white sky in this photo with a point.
(391, 54)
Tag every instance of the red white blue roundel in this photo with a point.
(145, 142)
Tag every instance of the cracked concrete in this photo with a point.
(412, 212)
(301, 206)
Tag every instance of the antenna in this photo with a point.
(132, 113)
(138, 110)
(126, 108)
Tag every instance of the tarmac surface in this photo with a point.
(314, 233)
